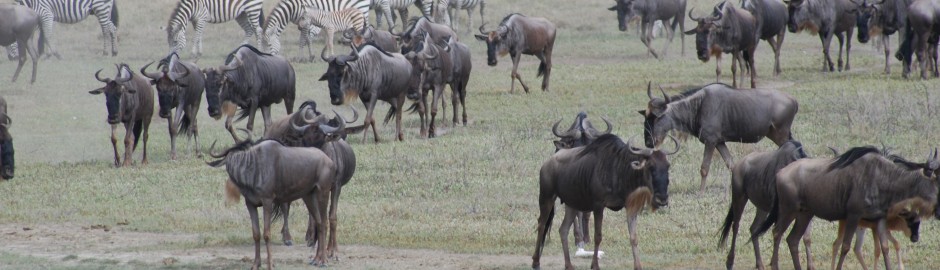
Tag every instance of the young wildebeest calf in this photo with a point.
(728, 30)
(17, 25)
(6, 142)
(860, 184)
(899, 218)
(518, 35)
(607, 173)
(178, 87)
(129, 99)
(269, 174)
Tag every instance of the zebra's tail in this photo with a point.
(41, 46)
(114, 13)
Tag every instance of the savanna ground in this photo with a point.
(464, 200)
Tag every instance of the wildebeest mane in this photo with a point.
(613, 154)
(228, 59)
(372, 43)
(851, 156)
(506, 19)
(412, 23)
(238, 147)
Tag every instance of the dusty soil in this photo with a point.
(73, 245)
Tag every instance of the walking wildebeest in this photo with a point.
(859, 184)
(753, 178)
(606, 173)
(381, 38)
(269, 174)
(251, 79)
(825, 18)
(898, 219)
(416, 29)
(7, 163)
(717, 113)
(649, 12)
(129, 100)
(179, 86)
(727, 30)
(771, 18)
(924, 32)
(435, 65)
(373, 75)
(17, 25)
(882, 18)
(518, 35)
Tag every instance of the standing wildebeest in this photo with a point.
(771, 18)
(416, 29)
(898, 219)
(178, 87)
(269, 175)
(923, 34)
(434, 66)
(373, 75)
(518, 35)
(717, 113)
(728, 30)
(825, 18)
(607, 173)
(381, 38)
(859, 184)
(6, 142)
(129, 100)
(251, 79)
(17, 24)
(882, 18)
(649, 12)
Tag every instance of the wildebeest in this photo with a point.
(882, 18)
(753, 178)
(129, 100)
(717, 113)
(771, 18)
(607, 173)
(859, 184)
(649, 12)
(251, 79)
(17, 25)
(825, 18)
(371, 74)
(7, 163)
(517, 35)
(728, 30)
(416, 29)
(899, 218)
(434, 66)
(924, 33)
(179, 86)
(381, 38)
(269, 174)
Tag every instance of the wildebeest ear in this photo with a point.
(642, 112)
(325, 76)
(96, 91)
(561, 145)
(613, 8)
(691, 32)
(480, 37)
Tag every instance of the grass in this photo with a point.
(473, 189)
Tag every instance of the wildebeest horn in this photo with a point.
(224, 68)
(175, 75)
(638, 151)
(341, 123)
(355, 55)
(123, 79)
(570, 134)
(718, 17)
(649, 89)
(481, 29)
(105, 80)
(323, 55)
(430, 52)
(212, 151)
(153, 75)
(665, 97)
(609, 126)
(300, 128)
(693, 17)
(674, 141)
(355, 116)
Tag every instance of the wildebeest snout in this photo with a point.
(336, 100)
(113, 119)
(660, 201)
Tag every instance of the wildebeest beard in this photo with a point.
(167, 100)
(6, 159)
(212, 94)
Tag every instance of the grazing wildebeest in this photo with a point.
(717, 113)
(825, 18)
(269, 174)
(771, 18)
(649, 12)
(882, 18)
(899, 218)
(923, 34)
(7, 163)
(606, 173)
(860, 184)
(373, 75)
(434, 66)
(753, 178)
(129, 99)
(251, 79)
(381, 38)
(416, 29)
(518, 35)
(17, 25)
(179, 86)
(728, 30)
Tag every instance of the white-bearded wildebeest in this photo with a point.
(517, 35)
(251, 79)
(825, 18)
(717, 113)
(179, 86)
(435, 65)
(882, 18)
(269, 174)
(416, 29)
(606, 173)
(6, 142)
(129, 99)
(859, 184)
(371, 74)
(649, 12)
(771, 18)
(753, 178)
(17, 25)
(923, 34)
(727, 30)
(381, 38)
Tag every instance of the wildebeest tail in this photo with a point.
(726, 227)
(114, 13)
(541, 69)
(242, 114)
(391, 112)
(138, 127)
(278, 211)
(413, 108)
(769, 222)
(232, 194)
(548, 227)
(185, 126)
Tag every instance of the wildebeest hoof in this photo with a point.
(288, 243)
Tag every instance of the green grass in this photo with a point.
(473, 189)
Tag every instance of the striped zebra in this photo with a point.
(247, 13)
(402, 7)
(74, 11)
(291, 11)
(332, 22)
(444, 12)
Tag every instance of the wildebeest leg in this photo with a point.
(775, 43)
(546, 58)
(255, 232)
(759, 217)
(808, 244)
(826, 39)
(266, 114)
(706, 164)
(887, 48)
(851, 224)
(423, 112)
(631, 227)
(268, 210)
(129, 143)
(400, 104)
(880, 235)
(195, 128)
(738, 202)
(228, 109)
(334, 203)
(848, 50)
(31, 49)
(751, 68)
(21, 62)
(146, 134)
(670, 34)
(793, 239)
(369, 120)
(735, 59)
(285, 231)
(725, 155)
(783, 223)
(173, 125)
(718, 68)
(438, 95)
(117, 159)
(546, 214)
(515, 73)
(563, 233)
(859, 241)
(646, 37)
(841, 38)
(836, 244)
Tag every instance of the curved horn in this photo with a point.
(430, 51)
(105, 80)
(665, 97)
(299, 128)
(323, 55)
(569, 134)
(355, 55)
(238, 63)
(637, 151)
(609, 126)
(212, 151)
(339, 119)
(693, 17)
(674, 141)
(123, 79)
(481, 29)
(175, 75)
(719, 16)
(151, 75)
(649, 91)
(327, 129)
(355, 116)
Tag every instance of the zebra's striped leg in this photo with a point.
(46, 23)
(108, 29)
(469, 20)
(482, 15)
(197, 40)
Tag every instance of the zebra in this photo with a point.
(247, 13)
(73, 11)
(332, 22)
(290, 11)
(444, 12)
(402, 7)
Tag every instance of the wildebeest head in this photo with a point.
(169, 87)
(337, 70)
(704, 33)
(655, 165)
(6, 147)
(494, 42)
(800, 17)
(581, 132)
(422, 58)
(213, 86)
(655, 109)
(114, 92)
(318, 129)
(625, 12)
(865, 14)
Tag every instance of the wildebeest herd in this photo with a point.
(305, 154)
